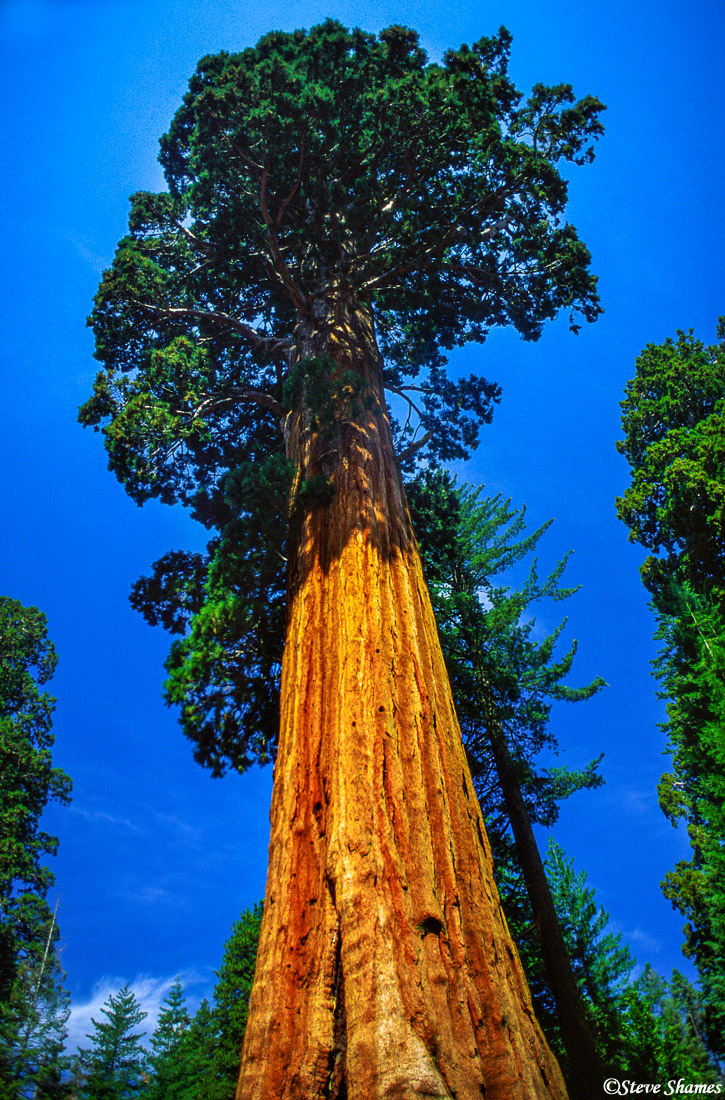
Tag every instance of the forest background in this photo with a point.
(157, 859)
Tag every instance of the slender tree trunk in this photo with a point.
(385, 966)
(585, 1074)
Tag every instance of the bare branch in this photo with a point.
(194, 241)
(400, 392)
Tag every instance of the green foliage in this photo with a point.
(29, 782)
(224, 673)
(663, 1028)
(115, 1064)
(315, 173)
(168, 1075)
(33, 1063)
(600, 961)
(198, 1059)
(674, 423)
(190, 1068)
(231, 1002)
(646, 1028)
(328, 393)
(673, 417)
(498, 669)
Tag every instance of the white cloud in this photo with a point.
(150, 992)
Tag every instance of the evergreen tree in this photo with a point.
(199, 1059)
(167, 1074)
(231, 1002)
(601, 963)
(114, 1066)
(29, 782)
(33, 1029)
(647, 1029)
(674, 423)
(33, 1005)
(663, 1032)
(340, 214)
(192, 1064)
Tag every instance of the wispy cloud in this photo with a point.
(97, 262)
(150, 992)
(638, 802)
(645, 941)
(100, 816)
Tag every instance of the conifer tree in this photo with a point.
(601, 962)
(29, 782)
(114, 1066)
(199, 1059)
(33, 1004)
(231, 1001)
(33, 1028)
(167, 1074)
(646, 1029)
(190, 1065)
(674, 424)
(340, 213)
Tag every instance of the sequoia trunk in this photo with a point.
(385, 966)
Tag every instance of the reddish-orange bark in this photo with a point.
(385, 967)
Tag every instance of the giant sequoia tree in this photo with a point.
(339, 214)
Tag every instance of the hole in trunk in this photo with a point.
(430, 926)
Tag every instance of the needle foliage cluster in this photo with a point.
(674, 424)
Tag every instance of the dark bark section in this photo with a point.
(585, 1074)
(385, 967)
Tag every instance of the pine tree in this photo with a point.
(114, 1066)
(601, 962)
(167, 1075)
(192, 1063)
(340, 214)
(646, 1029)
(231, 1001)
(663, 1031)
(199, 1059)
(32, 1001)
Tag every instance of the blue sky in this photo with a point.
(157, 859)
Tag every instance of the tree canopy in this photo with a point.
(317, 164)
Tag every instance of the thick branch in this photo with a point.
(279, 266)
(239, 396)
(416, 445)
(270, 346)
(431, 254)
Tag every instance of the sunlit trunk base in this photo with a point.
(385, 966)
